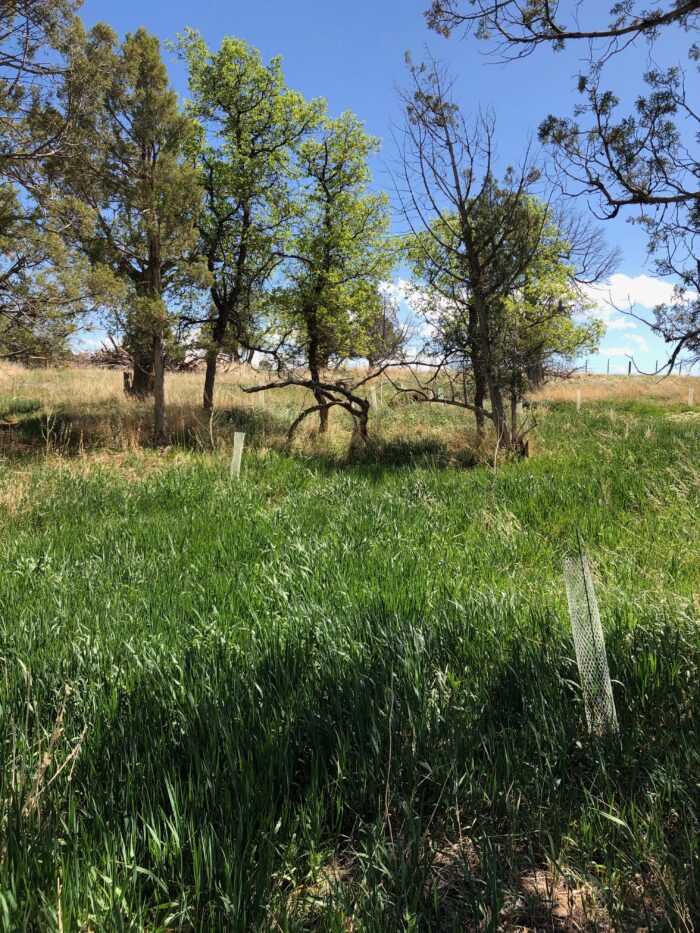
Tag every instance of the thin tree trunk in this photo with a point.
(360, 429)
(479, 399)
(227, 304)
(478, 370)
(486, 362)
(210, 379)
(159, 425)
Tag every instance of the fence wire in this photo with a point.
(590, 646)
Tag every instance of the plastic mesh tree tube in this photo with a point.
(590, 646)
(238, 439)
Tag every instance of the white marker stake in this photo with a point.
(238, 439)
(262, 399)
(691, 397)
(373, 396)
(578, 400)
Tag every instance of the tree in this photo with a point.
(540, 324)
(251, 125)
(385, 333)
(129, 199)
(519, 26)
(46, 290)
(39, 95)
(482, 250)
(328, 310)
(640, 163)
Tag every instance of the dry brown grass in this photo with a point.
(84, 410)
(593, 388)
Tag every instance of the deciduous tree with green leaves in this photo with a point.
(251, 126)
(539, 319)
(327, 311)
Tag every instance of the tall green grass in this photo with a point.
(345, 697)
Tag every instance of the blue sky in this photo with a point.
(353, 55)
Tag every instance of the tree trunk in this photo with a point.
(322, 414)
(142, 382)
(491, 381)
(478, 370)
(210, 379)
(159, 426)
(315, 373)
(479, 399)
(228, 310)
(360, 428)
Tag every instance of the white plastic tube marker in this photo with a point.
(238, 440)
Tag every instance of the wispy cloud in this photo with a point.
(641, 342)
(620, 323)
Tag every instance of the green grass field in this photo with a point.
(342, 696)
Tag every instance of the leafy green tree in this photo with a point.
(47, 291)
(547, 322)
(39, 95)
(129, 200)
(539, 321)
(44, 290)
(340, 252)
(251, 125)
(386, 335)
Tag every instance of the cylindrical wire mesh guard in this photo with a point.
(590, 646)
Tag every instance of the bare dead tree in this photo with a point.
(643, 163)
(471, 238)
(520, 26)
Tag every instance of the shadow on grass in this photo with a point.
(71, 433)
(237, 764)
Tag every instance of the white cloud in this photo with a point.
(620, 323)
(396, 290)
(641, 342)
(623, 291)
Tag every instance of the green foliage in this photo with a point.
(329, 696)
(340, 249)
(128, 197)
(38, 94)
(46, 290)
(250, 125)
(537, 313)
